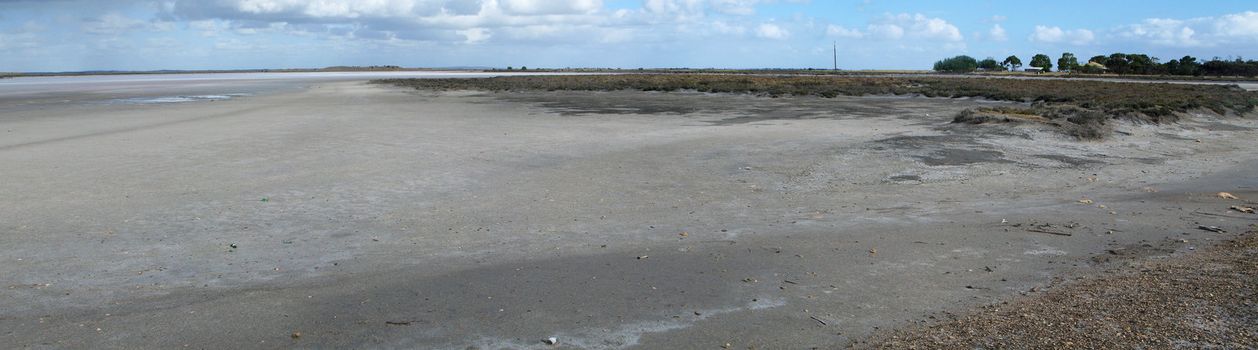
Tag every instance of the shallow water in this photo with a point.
(34, 92)
(175, 99)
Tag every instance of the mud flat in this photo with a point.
(352, 215)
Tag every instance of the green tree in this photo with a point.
(1067, 62)
(1117, 63)
(990, 64)
(1172, 67)
(1187, 66)
(1091, 68)
(1042, 61)
(1012, 62)
(1141, 64)
(958, 64)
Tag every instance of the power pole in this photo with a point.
(836, 55)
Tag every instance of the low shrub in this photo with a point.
(1087, 104)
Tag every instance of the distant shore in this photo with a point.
(216, 71)
(758, 71)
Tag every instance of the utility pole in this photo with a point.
(836, 55)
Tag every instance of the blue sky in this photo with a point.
(69, 35)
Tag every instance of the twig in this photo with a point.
(1223, 216)
(814, 318)
(1049, 232)
(1214, 229)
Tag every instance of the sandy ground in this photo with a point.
(1202, 300)
(357, 216)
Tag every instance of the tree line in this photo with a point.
(1118, 63)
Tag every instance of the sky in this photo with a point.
(76, 35)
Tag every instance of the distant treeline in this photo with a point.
(1118, 63)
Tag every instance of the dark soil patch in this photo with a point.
(1071, 161)
(922, 142)
(906, 178)
(954, 157)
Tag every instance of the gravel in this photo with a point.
(1199, 300)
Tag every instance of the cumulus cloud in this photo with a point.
(735, 7)
(916, 26)
(1056, 35)
(448, 21)
(891, 27)
(1231, 29)
(550, 7)
(675, 8)
(483, 21)
(997, 33)
(323, 8)
(1244, 25)
(886, 31)
(475, 35)
(698, 7)
(772, 31)
(1159, 31)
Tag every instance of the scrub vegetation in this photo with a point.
(1117, 63)
(1080, 108)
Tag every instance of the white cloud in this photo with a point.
(842, 32)
(886, 31)
(476, 35)
(550, 7)
(1231, 29)
(481, 21)
(772, 31)
(735, 7)
(675, 8)
(997, 33)
(111, 24)
(330, 8)
(1241, 25)
(1056, 35)
(1168, 32)
(916, 26)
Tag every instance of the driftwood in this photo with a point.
(1049, 232)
